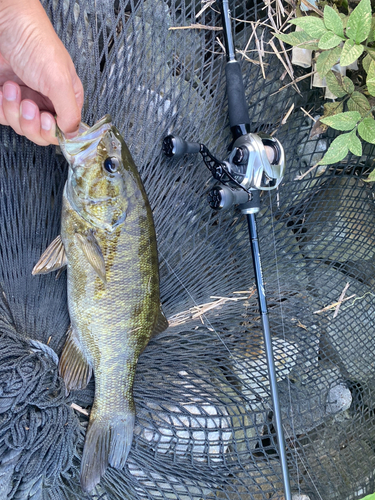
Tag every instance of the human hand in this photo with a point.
(37, 76)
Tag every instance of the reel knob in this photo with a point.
(222, 197)
(175, 146)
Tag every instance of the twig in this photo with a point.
(340, 300)
(300, 177)
(284, 120)
(301, 325)
(258, 48)
(294, 81)
(248, 42)
(197, 312)
(196, 27)
(248, 58)
(221, 45)
(79, 409)
(312, 7)
(290, 73)
(288, 62)
(206, 6)
(332, 306)
(308, 114)
(249, 292)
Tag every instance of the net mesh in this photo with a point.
(204, 426)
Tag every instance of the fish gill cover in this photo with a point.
(204, 426)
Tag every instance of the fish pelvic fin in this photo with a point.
(93, 253)
(161, 323)
(74, 367)
(108, 441)
(52, 259)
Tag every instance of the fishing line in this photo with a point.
(284, 337)
(232, 356)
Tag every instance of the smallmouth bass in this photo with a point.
(108, 244)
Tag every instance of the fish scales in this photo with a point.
(108, 243)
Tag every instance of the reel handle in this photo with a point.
(175, 146)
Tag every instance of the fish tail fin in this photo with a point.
(108, 441)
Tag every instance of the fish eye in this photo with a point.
(111, 165)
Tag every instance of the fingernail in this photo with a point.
(10, 92)
(71, 135)
(46, 121)
(28, 110)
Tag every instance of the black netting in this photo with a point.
(204, 426)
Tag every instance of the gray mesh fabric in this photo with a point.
(204, 425)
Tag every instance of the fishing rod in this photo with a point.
(256, 163)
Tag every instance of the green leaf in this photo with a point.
(313, 26)
(344, 19)
(333, 108)
(371, 37)
(330, 109)
(335, 84)
(354, 144)
(366, 130)
(329, 40)
(370, 80)
(358, 102)
(326, 60)
(298, 38)
(332, 21)
(370, 178)
(369, 497)
(359, 23)
(366, 61)
(337, 150)
(347, 84)
(350, 52)
(342, 121)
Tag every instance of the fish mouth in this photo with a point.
(84, 145)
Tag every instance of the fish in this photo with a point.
(108, 245)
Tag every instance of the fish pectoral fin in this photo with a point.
(91, 248)
(161, 323)
(52, 259)
(74, 367)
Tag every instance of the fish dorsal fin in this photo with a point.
(52, 259)
(74, 367)
(161, 323)
(91, 248)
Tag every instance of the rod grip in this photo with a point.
(237, 105)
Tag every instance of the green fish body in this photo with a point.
(108, 243)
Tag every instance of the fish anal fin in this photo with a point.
(161, 323)
(52, 259)
(74, 367)
(59, 272)
(108, 442)
(91, 248)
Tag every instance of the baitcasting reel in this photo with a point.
(256, 163)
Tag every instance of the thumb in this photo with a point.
(67, 99)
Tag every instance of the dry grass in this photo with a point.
(198, 311)
(336, 305)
